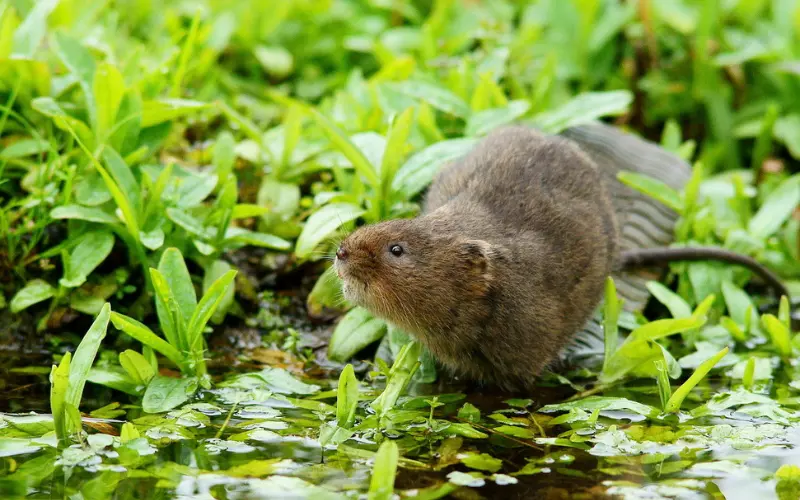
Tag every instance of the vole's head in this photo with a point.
(413, 275)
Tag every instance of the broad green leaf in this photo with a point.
(205, 308)
(79, 212)
(637, 350)
(242, 236)
(674, 302)
(170, 317)
(584, 108)
(675, 401)
(469, 413)
(108, 89)
(165, 393)
(190, 224)
(49, 107)
(29, 34)
(420, 169)
(776, 209)
(665, 327)
(23, 148)
(323, 224)
(482, 461)
(345, 146)
(740, 308)
(602, 403)
(515, 431)
(162, 110)
(215, 271)
(33, 292)
(114, 379)
(327, 293)
(483, 122)
(80, 63)
(91, 190)
(153, 239)
(146, 336)
(653, 188)
(173, 268)
(92, 249)
(59, 386)
(10, 447)
(381, 484)
(281, 198)
(779, 333)
(346, 397)
(437, 96)
(280, 381)
(356, 330)
(84, 356)
(248, 210)
(195, 188)
(136, 366)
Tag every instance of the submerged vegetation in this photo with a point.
(174, 174)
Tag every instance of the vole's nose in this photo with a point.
(341, 253)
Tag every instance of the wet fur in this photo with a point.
(505, 265)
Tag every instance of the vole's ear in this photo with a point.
(477, 255)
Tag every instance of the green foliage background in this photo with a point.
(269, 128)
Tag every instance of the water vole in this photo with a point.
(505, 265)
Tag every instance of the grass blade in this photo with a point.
(346, 397)
(84, 356)
(59, 385)
(345, 146)
(611, 310)
(381, 485)
(146, 337)
(675, 401)
(206, 307)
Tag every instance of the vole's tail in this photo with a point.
(642, 221)
(631, 260)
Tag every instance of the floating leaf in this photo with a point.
(482, 461)
(166, 393)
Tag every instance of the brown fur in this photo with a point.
(505, 265)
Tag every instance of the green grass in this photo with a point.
(153, 153)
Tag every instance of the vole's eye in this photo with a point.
(396, 250)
